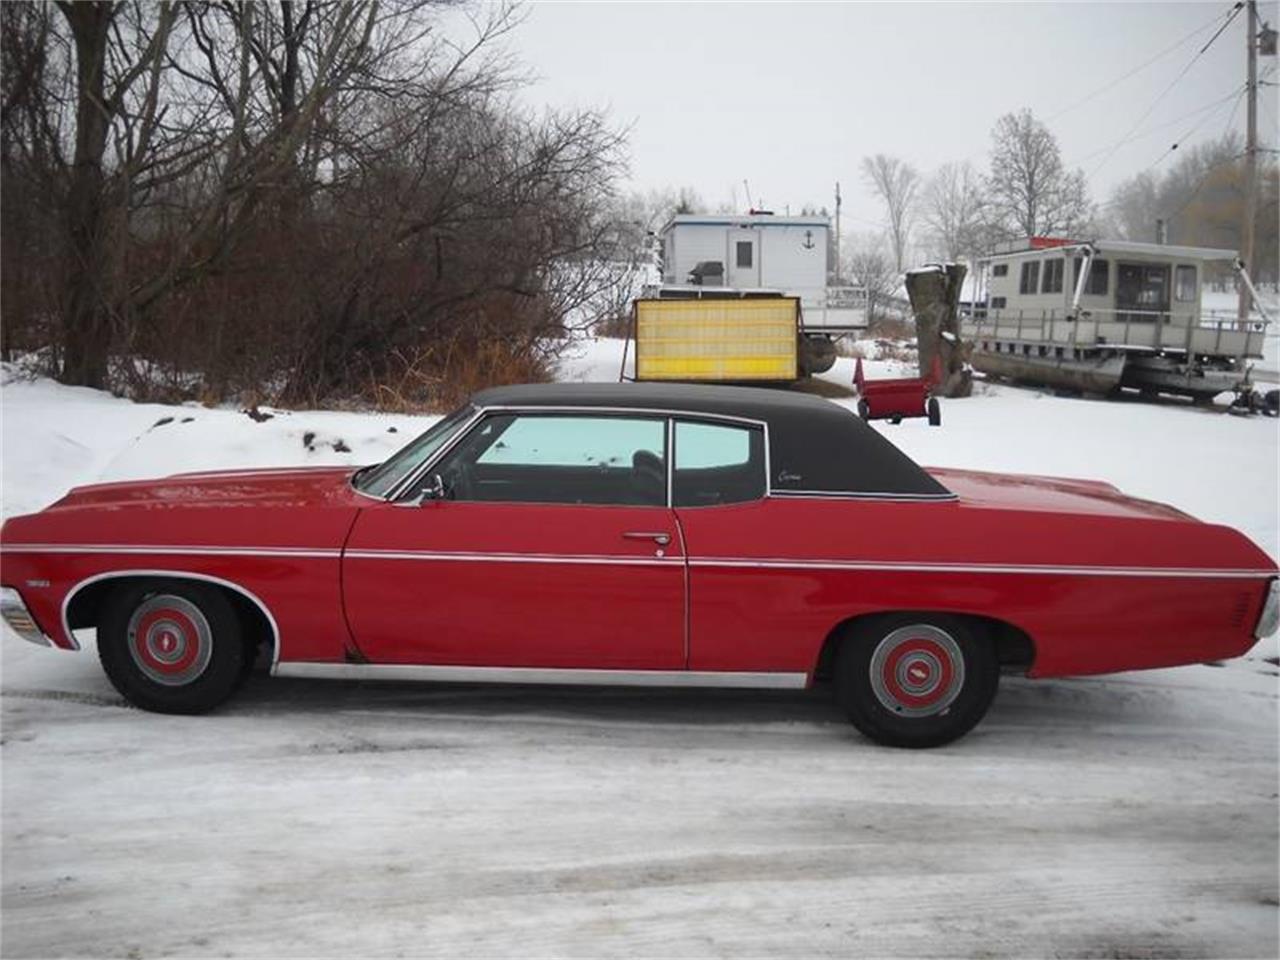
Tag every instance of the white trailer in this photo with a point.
(760, 254)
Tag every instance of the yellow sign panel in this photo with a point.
(722, 339)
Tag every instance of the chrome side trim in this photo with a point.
(859, 495)
(645, 411)
(593, 559)
(174, 550)
(172, 575)
(784, 563)
(671, 463)
(589, 677)
(893, 566)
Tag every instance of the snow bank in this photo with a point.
(1131, 815)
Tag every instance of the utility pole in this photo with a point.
(838, 281)
(1245, 305)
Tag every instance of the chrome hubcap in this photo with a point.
(917, 671)
(170, 640)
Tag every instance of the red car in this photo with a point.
(636, 534)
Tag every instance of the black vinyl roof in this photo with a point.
(814, 445)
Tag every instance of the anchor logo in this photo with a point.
(808, 240)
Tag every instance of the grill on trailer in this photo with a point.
(726, 338)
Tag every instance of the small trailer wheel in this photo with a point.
(864, 410)
(934, 410)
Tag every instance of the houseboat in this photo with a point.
(1104, 315)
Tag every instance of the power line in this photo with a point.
(1142, 66)
(1165, 92)
(1158, 127)
(1177, 143)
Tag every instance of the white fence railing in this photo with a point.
(1204, 333)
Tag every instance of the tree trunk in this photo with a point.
(935, 295)
(86, 324)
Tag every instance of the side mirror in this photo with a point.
(434, 490)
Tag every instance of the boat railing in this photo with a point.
(1208, 333)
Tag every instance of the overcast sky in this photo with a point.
(791, 96)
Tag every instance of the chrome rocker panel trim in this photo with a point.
(540, 675)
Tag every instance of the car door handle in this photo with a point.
(662, 539)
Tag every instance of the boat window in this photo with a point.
(1099, 272)
(1142, 292)
(1000, 270)
(717, 463)
(997, 303)
(1030, 279)
(560, 458)
(1052, 277)
(744, 249)
(1184, 285)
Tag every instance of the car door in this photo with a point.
(740, 610)
(548, 543)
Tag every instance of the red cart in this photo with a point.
(894, 399)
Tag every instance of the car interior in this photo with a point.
(469, 475)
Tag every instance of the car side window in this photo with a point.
(560, 458)
(717, 463)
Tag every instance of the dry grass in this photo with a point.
(441, 378)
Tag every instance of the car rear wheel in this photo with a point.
(915, 680)
(172, 646)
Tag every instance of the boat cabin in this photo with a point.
(1109, 313)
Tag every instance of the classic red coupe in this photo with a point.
(636, 534)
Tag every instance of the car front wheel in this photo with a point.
(915, 680)
(172, 647)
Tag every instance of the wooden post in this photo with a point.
(1245, 304)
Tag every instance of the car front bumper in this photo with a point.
(1269, 618)
(15, 613)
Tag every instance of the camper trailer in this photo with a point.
(1104, 315)
(726, 261)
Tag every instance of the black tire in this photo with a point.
(172, 646)
(934, 410)
(958, 674)
(864, 410)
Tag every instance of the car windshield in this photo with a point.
(381, 479)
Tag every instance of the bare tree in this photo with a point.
(896, 182)
(1199, 197)
(295, 198)
(869, 261)
(953, 209)
(1031, 192)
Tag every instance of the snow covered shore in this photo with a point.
(1124, 816)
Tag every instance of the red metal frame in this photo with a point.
(893, 399)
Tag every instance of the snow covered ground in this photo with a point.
(1124, 816)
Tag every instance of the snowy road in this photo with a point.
(1126, 816)
(1132, 816)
